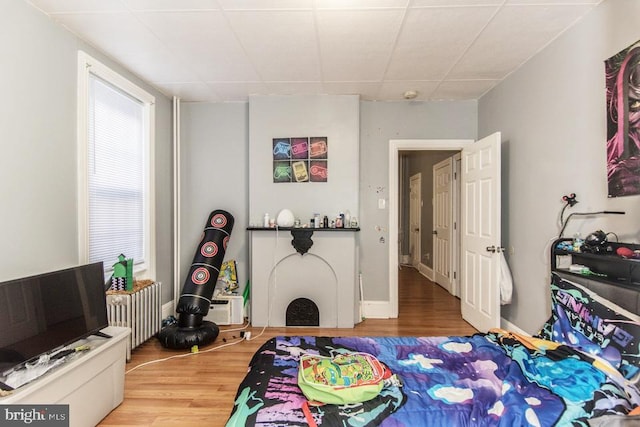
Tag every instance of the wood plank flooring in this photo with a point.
(199, 389)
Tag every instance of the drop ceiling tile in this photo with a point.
(204, 42)
(553, 3)
(190, 91)
(394, 90)
(266, 4)
(357, 45)
(281, 44)
(75, 6)
(433, 39)
(360, 4)
(367, 90)
(238, 91)
(155, 5)
(294, 88)
(114, 33)
(438, 3)
(157, 66)
(462, 89)
(516, 34)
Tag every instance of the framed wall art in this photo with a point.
(622, 73)
(300, 159)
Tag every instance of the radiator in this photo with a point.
(141, 311)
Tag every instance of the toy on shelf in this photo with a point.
(122, 277)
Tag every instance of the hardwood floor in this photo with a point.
(199, 389)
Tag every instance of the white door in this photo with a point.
(480, 233)
(442, 222)
(455, 243)
(415, 218)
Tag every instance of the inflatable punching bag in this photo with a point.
(197, 291)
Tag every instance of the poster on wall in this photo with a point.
(300, 159)
(622, 73)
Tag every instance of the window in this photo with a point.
(115, 134)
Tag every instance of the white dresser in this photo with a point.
(92, 384)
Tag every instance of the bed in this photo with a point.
(581, 369)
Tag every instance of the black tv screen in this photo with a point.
(41, 313)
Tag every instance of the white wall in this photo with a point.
(551, 113)
(38, 166)
(37, 134)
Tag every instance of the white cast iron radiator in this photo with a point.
(140, 310)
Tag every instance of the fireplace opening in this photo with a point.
(302, 312)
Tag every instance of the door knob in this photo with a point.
(434, 232)
(491, 249)
(416, 230)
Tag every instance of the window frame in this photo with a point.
(88, 66)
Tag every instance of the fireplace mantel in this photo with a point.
(302, 241)
(323, 269)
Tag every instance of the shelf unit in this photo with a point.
(617, 271)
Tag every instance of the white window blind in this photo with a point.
(116, 174)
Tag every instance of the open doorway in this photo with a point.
(424, 150)
(480, 224)
(425, 220)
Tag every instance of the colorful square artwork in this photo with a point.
(282, 171)
(318, 148)
(299, 148)
(281, 149)
(300, 159)
(318, 171)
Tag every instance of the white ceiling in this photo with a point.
(225, 50)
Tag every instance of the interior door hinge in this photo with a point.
(455, 225)
(454, 275)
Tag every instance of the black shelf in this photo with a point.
(302, 229)
(616, 269)
(302, 241)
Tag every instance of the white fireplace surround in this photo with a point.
(326, 275)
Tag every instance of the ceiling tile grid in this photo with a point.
(226, 50)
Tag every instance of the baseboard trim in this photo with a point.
(505, 324)
(375, 309)
(426, 271)
(167, 309)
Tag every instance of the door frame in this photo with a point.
(395, 146)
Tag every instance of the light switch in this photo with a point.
(382, 203)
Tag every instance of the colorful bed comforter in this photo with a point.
(494, 379)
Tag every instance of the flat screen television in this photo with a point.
(47, 311)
